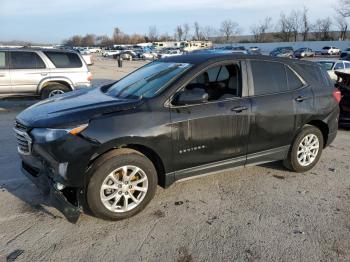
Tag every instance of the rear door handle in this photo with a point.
(300, 98)
(2, 75)
(44, 74)
(239, 109)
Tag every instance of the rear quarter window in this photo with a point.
(268, 77)
(64, 60)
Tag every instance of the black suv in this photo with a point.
(108, 148)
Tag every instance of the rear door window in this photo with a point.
(64, 60)
(268, 77)
(347, 65)
(25, 60)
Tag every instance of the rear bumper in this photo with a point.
(57, 198)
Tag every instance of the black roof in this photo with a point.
(199, 58)
(36, 49)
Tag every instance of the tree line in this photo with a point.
(293, 26)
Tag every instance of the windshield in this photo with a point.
(327, 65)
(148, 81)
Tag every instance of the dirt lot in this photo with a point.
(261, 213)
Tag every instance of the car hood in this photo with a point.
(73, 107)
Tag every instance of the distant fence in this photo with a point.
(314, 45)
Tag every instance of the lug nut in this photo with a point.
(126, 193)
(120, 186)
(120, 192)
(130, 186)
(126, 182)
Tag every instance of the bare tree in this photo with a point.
(305, 24)
(117, 35)
(179, 32)
(208, 31)
(75, 40)
(322, 29)
(88, 40)
(295, 20)
(344, 8)
(153, 33)
(186, 30)
(197, 31)
(284, 28)
(259, 30)
(342, 26)
(229, 28)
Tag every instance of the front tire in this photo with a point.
(122, 183)
(306, 150)
(53, 89)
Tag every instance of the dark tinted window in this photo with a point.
(3, 63)
(293, 80)
(64, 60)
(26, 60)
(309, 73)
(269, 77)
(347, 65)
(220, 82)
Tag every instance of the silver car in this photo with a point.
(41, 72)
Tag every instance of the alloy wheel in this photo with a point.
(308, 150)
(124, 189)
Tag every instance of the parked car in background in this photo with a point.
(335, 65)
(41, 72)
(170, 53)
(173, 119)
(110, 53)
(149, 55)
(254, 50)
(330, 50)
(345, 54)
(343, 84)
(304, 52)
(283, 52)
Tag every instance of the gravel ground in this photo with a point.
(260, 213)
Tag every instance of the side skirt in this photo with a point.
(267, 156)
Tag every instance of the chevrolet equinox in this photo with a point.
(106, 149)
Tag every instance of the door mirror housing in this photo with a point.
(191, 96)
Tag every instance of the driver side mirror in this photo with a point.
(191, 96)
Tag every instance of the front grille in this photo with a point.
(24, 142)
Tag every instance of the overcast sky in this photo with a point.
(51, 21)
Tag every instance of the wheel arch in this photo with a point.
(147, 151)
(49, 81)
(323, 128)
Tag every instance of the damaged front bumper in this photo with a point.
(57, 197)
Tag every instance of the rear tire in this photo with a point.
(305, 151)
(122, 184)
(53, 89)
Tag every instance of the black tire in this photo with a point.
(45, 93)
(107, 164)
(291, 162)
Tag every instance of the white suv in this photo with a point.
(42, 72)
(330, 50)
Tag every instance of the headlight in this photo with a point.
(42, 135)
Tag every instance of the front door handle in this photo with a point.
(300, 99)
(44, 74)
(239, 109)
(2, 75)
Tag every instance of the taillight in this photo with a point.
(89, 78)
(337, 95)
